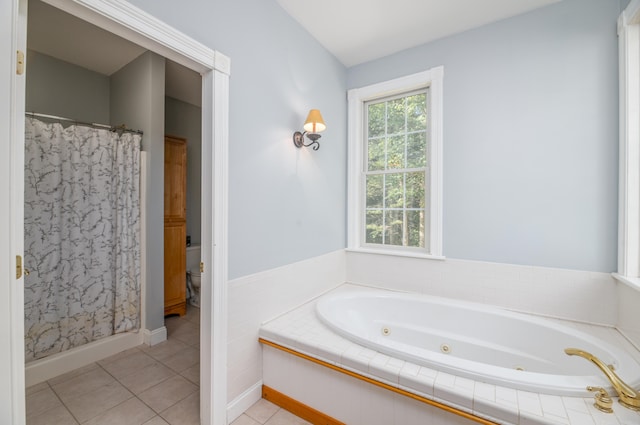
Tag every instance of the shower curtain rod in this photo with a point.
(88, 124)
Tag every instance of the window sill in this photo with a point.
(397, 253)
(631, 282)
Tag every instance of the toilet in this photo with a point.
(193, 275)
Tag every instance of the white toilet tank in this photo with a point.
(193, 272)
(193, 257)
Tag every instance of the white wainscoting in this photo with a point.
(568, 294)
(629, 313)
(257, 298)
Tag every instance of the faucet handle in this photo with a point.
(603, 401)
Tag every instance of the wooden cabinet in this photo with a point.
(175, 226)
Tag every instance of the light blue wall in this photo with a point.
(55, 87)
(530, 135)
(137, 100)
(285, 204)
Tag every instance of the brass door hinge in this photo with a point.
(18, 266)
(201, 267)
(20, 62)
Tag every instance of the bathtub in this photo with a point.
(474, 341)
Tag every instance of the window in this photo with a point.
(395, 171)
(395, 166)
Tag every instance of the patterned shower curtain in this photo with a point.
(82, 235)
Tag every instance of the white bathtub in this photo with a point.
(474, 341)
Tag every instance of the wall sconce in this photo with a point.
(313, 125)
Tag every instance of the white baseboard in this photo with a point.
(58, 364)
(244, 401)
(155, 336)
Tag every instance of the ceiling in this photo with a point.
(357, 31)
(77, 43)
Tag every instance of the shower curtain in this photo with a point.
(82, 235)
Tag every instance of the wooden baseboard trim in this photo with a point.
(299, 409)
(377, 384)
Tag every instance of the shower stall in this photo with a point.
(82, 243)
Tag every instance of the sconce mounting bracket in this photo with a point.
(298, 140)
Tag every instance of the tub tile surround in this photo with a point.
(302, 331)
(255, 299)
(629, 313)
(529, 289)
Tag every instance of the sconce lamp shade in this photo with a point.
(313, 125)
(314, 122)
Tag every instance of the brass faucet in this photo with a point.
(629, 397)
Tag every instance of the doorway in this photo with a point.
(130, 23)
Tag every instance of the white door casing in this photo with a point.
(127, 21)
(12, 94)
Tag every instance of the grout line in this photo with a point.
(63, 403)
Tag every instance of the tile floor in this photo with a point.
(156, 385)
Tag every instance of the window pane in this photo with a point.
(376, 119)
(374, 191)
(417, 112)
(395, 116)
(394, 191)
(375, 153)
(393, 228)
(417, 150)
(415, 190)
(374, 226)
(395, 174)
(395, 152)
(415, 228)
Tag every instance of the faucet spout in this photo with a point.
(629, 397)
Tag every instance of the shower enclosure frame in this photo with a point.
(125, 20)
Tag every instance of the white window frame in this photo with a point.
(433, 79)
(629, 178)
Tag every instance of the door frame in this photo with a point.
(130, 22)
(13, 16)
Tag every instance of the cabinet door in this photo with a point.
(175, 225)
(175, 179)
(175, 265)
